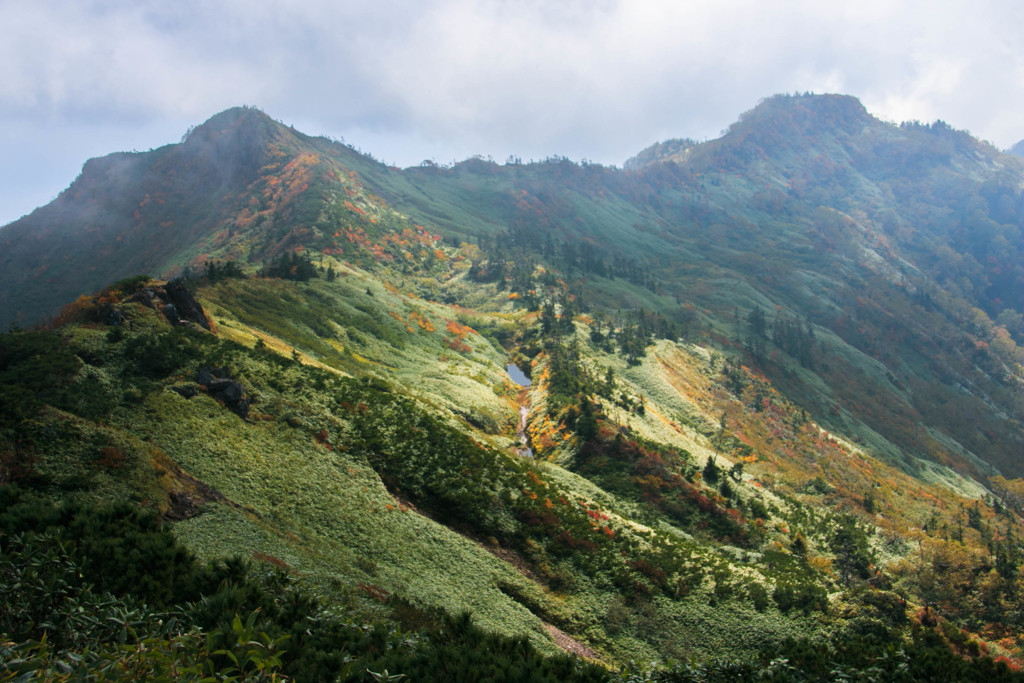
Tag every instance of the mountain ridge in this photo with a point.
(817, 168)
(822, 239)
(775, 386)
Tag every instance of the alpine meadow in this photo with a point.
(744, 409)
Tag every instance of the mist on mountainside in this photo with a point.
(773, 413)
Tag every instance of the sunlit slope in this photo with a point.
(894, 251)
(332, 477)
(897, 247)
(884, 261)
(679, 504)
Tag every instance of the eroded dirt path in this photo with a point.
(568, 643)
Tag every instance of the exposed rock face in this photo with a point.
(185, 306)
(191, 495)
(111, 315)
(176, 302)
(185, 390)
(224, 389)
(209, 373)
(183, 506)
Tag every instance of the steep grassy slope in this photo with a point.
(127, 214)
(774, 389)
(301, 481)
(689, 521)
(898, 247)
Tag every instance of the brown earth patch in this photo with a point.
(569, 644)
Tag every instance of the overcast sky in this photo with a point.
(447, 79)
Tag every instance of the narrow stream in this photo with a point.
(520, 378)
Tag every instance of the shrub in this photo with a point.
(161, 354)
(803, 596)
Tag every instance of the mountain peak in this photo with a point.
(243, 118)
(223, 138)
(817, 103)
(777, 118)
(803, 115)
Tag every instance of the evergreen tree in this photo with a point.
(548, 320)
(758, 328)
(586, 423)
(291, 266)
(711, 472)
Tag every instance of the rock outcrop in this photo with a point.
(176, 302)
(225, 389)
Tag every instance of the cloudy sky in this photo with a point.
(409, 80)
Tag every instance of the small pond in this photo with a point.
(517, 375)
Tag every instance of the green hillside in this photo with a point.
(774, 413)
(885, 259)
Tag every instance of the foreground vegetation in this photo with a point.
(369, 520)
(103, 593)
